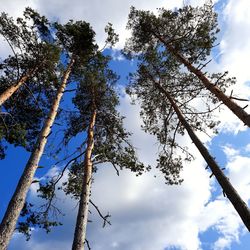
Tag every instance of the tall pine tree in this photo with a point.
(77, 41)
(167, 101)
(34, 53)
(187, 35)
(26, 101)
(107, 140)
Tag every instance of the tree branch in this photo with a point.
(59, 177)
(105, 218)
(87, 243)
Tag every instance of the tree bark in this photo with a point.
(13, 88)
(233, 106)
(83, 210)
(18, 199)
(240, 206)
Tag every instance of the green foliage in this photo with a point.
(73, 185)
(112, 37)
(96, 87)
(30, 41)
(35, 54)
(156, 40)
(33, 218)
(191, 30)
(23, 115)
(39, 22)
(76, 38)
(158, 114)
(21, 120)
(10, 132)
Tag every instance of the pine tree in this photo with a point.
(34, 53)
(44, 218)
(76, 50)
(107, 141)
(167, 110)
(187, 35)
(17, 201)
(24, 109)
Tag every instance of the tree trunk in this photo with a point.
(233, 106)
(18, 199)
(13, 88)
(83, 210)
(228, 189)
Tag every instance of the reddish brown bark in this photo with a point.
(82, 217)
(233, 106)
(239, 205)
(18, 199)
(13, 88)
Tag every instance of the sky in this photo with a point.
(146, 213)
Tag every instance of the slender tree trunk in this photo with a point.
(13, 88)
(233, 106)
(228, 189)
(83, 210)
(18, 199)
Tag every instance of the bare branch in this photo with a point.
(117, 171)
(105, 218)
(239, 99)
(203, 65)
(59, 177)
(18, 67)
(69, 90)
(33, 96)
(5, 126)
(87, 243)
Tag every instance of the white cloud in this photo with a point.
(116, 55)
(239, 167)
(16, 8)
(93, 11)
(235, 52)
(230, 151)
(247, 148)
(141, 207)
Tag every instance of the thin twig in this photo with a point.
(5, 126)
(105, 218)
(114, 166)
(33, 96)
(18, 68)
(69, 90)
(204, 65)
(58, 179)
(224, 74)
(88, 245)
(239, 99)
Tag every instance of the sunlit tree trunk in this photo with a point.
(83, 210)
(18, 199)
(13, 88)
(234, 107)
(228, 189)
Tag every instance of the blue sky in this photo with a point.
(147, 214)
